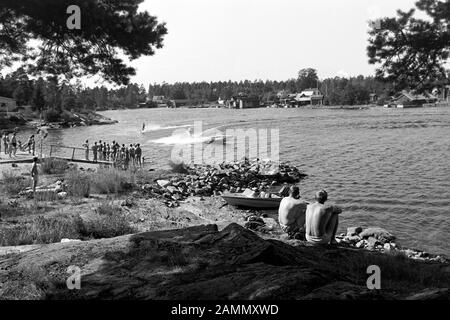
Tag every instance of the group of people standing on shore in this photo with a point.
(10, 144)
(121, 155)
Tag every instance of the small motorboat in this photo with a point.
(239, 200)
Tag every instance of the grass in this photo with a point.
(108, 222)
(15, 209)
(13, 184)
(53, 166)
(78, 184)
(112, 181)
(42, 229)
(398, 272)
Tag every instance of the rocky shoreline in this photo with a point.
(223, 178)
(188, 244)
(71, 119)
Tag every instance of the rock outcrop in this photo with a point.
(195, 263)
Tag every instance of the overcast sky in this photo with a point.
(212, 40)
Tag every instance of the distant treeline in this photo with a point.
(46, 94)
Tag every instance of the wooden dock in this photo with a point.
(25, 157)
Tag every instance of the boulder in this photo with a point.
(65, 240)
(352, 231)
(372, 242)
(378, 233)
(62, 195)
(163, 183)
(361, 244)
(354, 239)
(172, 189)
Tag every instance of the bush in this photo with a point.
(14, 184)
(53, 166)
(107, 223)
(178, 167)
(78, 184)
(108, 181)
(43, 230)
(108, 208)
(52, 115)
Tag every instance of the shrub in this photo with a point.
(108, 208)
(52, 115)
(53, 166)
(43, 230)
(78, 184)
(108, 181)
(179, 167)
(108, 222)
(14, 184)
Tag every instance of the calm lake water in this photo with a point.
(385, 167)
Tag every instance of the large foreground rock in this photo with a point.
(193, 263)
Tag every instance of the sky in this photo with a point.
(221, 40)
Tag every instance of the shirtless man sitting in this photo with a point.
(321, 221)
(291, 213)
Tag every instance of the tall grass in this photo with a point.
(112, 181)
(43, 230)
(53, 166)
(14, 184)
(78, 184)
(108, 222)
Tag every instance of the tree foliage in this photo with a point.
(110, 29)
(307, 78)
(412, 52)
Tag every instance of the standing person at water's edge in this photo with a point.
(139, 155)
(291, 214)
(322, 221)
(35, 175)
(5, 142)
(95, 150)
(86, 146)
(13, 144)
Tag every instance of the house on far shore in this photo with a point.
(311, 96)
(160, 101)
(243, 102)
(6, 104)
(176, 103)
(407, 99)
(373, 98)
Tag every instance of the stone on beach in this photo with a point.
(352, 231)
(380, 234)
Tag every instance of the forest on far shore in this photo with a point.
(45, 94)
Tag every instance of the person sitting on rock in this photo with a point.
(321, 221)
(291, 214)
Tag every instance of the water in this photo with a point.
(385, 167)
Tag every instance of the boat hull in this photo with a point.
(261, 203)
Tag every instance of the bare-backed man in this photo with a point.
(321, 220)
(291, 214)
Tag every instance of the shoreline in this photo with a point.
(22, 121)
(198, 237)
